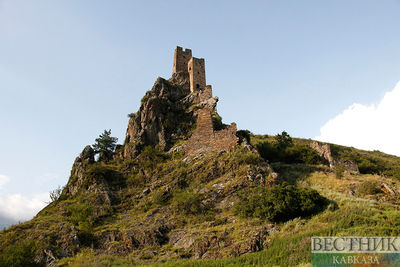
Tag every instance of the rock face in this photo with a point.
(162, 119)
(388, 190)
(324, 150)
(81, 163)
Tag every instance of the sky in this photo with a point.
(70, 69)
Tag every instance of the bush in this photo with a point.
(246, 157)
(287, 152)
(100, 173)
(150, 157)
(339, 171)
(56, 193)
(21, 254)
(217, 122)
(161, 197)
(80, 214)
(368, 188)
(283, 140)
(245, 134)
(280, 203)
(187, 203)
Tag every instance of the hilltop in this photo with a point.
(185, 189)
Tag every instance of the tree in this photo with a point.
(105, 142)
(284, 140)
(55, 194)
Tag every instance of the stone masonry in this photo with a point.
(194, 69)
(204, 138)
(181, 59)
(197, 74)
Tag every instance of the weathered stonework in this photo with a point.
(197, 74)
(170, 109)
(181, 59)
(193, 69)
(204, 139)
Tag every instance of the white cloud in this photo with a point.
(22, 208)
(370, 127)
(3, 180)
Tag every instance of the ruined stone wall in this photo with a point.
(204, 139)
(226, 138)
(197, 74)
(181, 59)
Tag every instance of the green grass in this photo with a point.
(178, 190)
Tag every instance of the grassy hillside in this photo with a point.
(159, 210)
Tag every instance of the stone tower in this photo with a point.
(181, 59)
(194, 69)
(197, 74)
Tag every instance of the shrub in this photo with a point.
(99, 172)
(286, 153)
(80, 214)
(136, 180)
(56, 193)
(339, 171)
(244, 134)
(150, 157)
(368, 188)
(269, 152)
(246, 157)
(162, 197)
(187, 203)
(20, 254)
(280, 203)
(217, 122)
(283, 140)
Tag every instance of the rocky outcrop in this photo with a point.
(350, 166)
(216, 244)
(81, 163)
(163, 117)
(388, 190)
(324, 151)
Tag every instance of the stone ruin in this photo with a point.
(204, 138)
(324, 151)
(172, 105)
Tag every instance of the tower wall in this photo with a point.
(181, 59)
(197, 74)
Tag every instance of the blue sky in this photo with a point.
(70, 69)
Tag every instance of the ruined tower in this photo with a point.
(196, 71)
(204, 138)
(181, 59)
(197, 74)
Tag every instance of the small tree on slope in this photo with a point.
(105, 143)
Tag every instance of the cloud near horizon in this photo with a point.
(369, 127)
(21, 208)
(17, 207)
(3, 180)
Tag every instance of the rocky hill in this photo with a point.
(186, 189)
